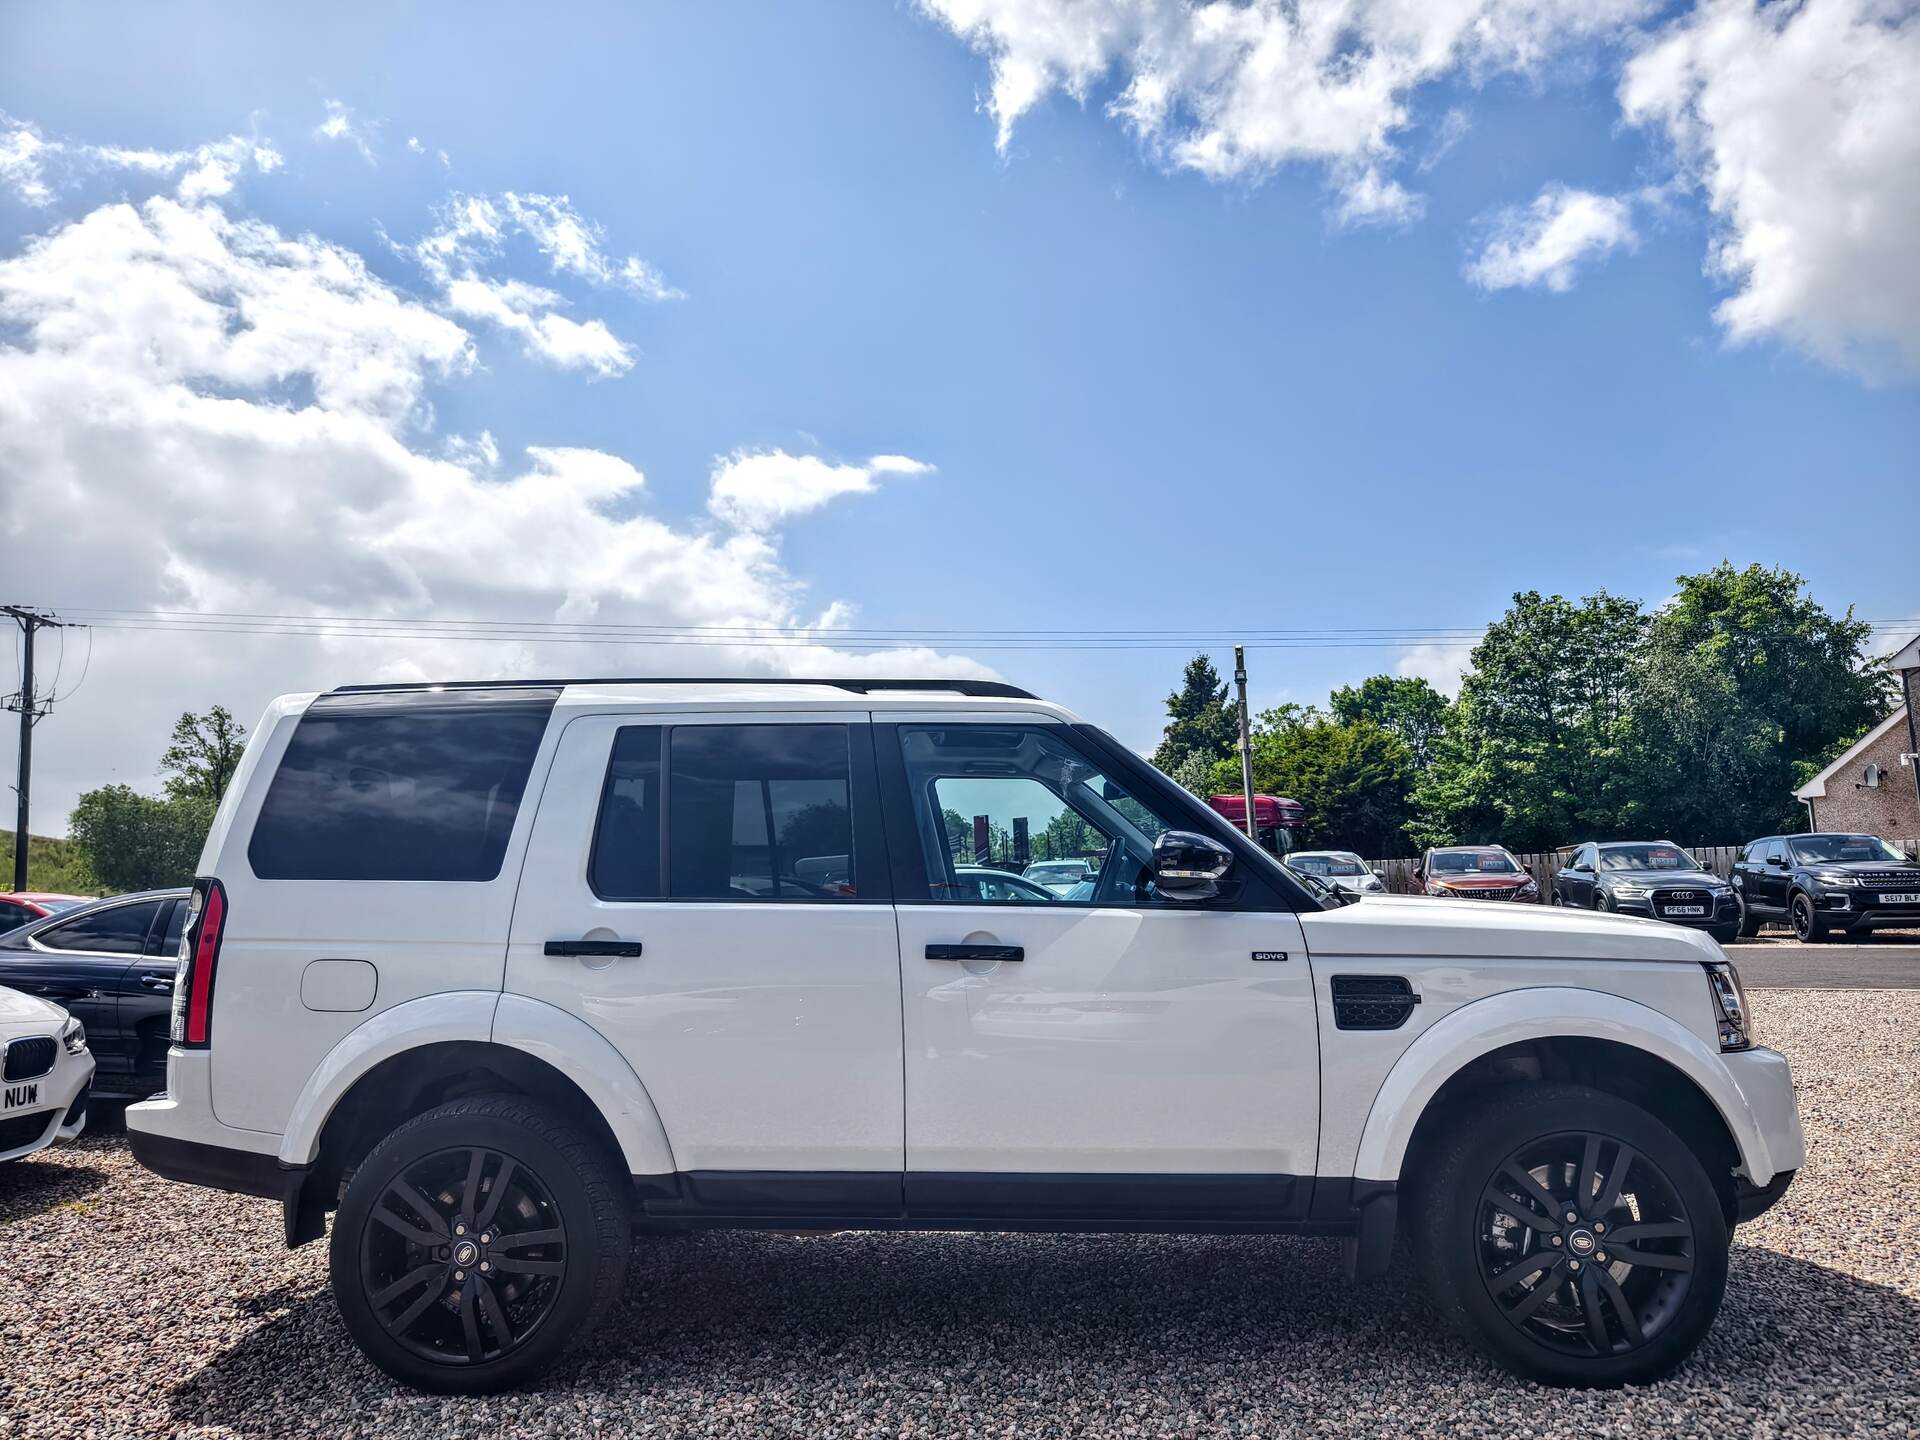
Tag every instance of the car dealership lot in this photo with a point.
(138, 1307)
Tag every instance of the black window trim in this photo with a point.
(863, 799)
(1260, 891)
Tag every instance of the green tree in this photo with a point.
(1354, 779)
(1536, 756)
(1404, 706)
(132, 841)
(1746, 681)
(1199, 719)
(203, 754)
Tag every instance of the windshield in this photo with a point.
(1327, 865)
(1646, 857)
(1834, 849)
(1058, 870)
(1473, 862)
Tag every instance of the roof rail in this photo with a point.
(986, 689)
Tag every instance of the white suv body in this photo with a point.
(708, 937)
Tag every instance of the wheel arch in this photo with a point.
(1606, 1041)
(439, 1047)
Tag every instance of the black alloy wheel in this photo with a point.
(1585, 1245)
(1809, 925)
(477, 1242)
(466, 1256)
(1569, 1234)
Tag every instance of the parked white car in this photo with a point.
(1059, 876)
(499, 974)
(45, 1071)
(1339, 869)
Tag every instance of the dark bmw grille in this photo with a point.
(1372, 1002)
(31, 1058)
(22, 1130)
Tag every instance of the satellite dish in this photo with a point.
(1871, 779)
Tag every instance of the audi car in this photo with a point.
(1654, 878)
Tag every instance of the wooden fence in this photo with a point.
(1543, 865)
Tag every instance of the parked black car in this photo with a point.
(1655, 878)
(111, 964)
(1826, 882)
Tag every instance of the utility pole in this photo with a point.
(30, 621)
(1246, 746)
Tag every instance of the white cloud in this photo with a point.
(343, 123)
(1544, 243)
(35, 167)
(1232, 89)
(1801, 124)
(756, 490)
(529, 311)
(1442, 664)
(22, 161)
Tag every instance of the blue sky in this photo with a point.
(1151, 398)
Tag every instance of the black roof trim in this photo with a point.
(981, 689)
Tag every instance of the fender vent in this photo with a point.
(1372, 1002)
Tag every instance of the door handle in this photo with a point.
(629, 949)
(976, 952)
(161, 983)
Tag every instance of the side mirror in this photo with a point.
(1187, 866)
(1381, 876)
(1776, 862)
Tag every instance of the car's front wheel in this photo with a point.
(1749, 922)
(1572, 1236)
(477, 1242)
(1809, 925)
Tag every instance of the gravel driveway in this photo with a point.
(134, 1307)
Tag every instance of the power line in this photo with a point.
(32, 711)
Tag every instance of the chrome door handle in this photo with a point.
(976, 952)
(161, 983)
(629, 949)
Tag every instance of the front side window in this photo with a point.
(1025, 799)
(760, 812)
(117, 930)
(409, 785)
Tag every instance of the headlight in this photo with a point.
(1837, 877)
(73, 1035)
(1630, 892)
(1729, 1006)
(1434, 887)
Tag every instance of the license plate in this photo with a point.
(20, 1097)
(1900, 899)
(1685, 910)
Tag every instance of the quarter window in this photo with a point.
(760, 812)
(626, 838)
(403, 786)
(117, 930)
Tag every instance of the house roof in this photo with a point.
(1816, 788)
(1907, 657)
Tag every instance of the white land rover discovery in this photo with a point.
(504, 974)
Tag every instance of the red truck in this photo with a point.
(1277, 820)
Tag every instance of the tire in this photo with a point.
(519, 1302)
(1749, 922)
(1725, 934)
(1554, 898)
(1809, 925)
(1651, 1310)
(1603, 900)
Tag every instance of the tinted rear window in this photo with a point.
(116, 930)
(408, 786)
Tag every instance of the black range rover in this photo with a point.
(1827, 882)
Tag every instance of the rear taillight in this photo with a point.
(199, 954)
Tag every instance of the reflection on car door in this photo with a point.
(742, 857)
(1118, 1057)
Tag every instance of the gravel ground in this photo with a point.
(135, 1307)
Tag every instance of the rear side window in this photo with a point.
(626, 837)
(117, 930)
(414, 785)
(760, 812)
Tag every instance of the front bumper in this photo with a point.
(1720, 911)
(1765, 1082)
(1863, 908)
(57, 1109)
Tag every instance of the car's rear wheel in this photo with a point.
(1572, 1236)
(477, 1242)
(1809, 925)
